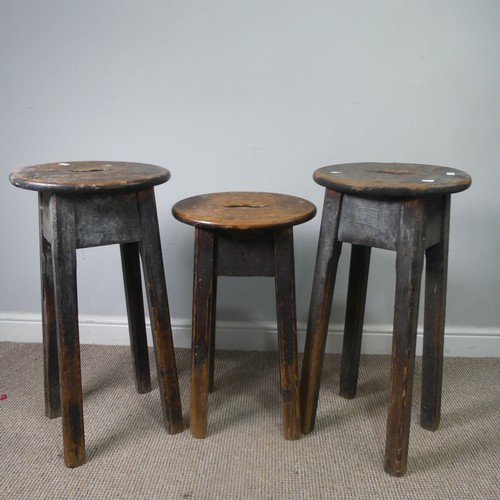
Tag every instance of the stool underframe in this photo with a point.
(243, 253)
(413, 227)
(71, 221)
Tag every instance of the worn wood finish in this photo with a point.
(243, 234)
(89, 177)
(242, 210)
(135, 311)
(85, 204)
(287, 331)
(52, 390)
(249, 253)
(64, 265)
(156, 291)
(212, 334)
(202, 323)
(374, 222)
(436, 270)
(329, 249)
(369, 221)
(121, 224)
(409, 264)
(392, 179)
(400, 207)
(355, 312)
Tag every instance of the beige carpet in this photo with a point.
(131, 456)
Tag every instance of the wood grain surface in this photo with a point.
(392, 179)
(242, 210)
(89, 176)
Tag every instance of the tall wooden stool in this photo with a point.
(88, 204)
(243, 234)
(400, 207)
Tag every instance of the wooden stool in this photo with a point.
(88, 204)
(399, 207)
(243, 234)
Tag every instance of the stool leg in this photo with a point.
(204, 242)
(154, 278)
(211, 335)
(409, 263)
(135, 311)
(52, 388)
(327, 258)
(64, 265)
(355, 311)
(287, 331)
(434, 320)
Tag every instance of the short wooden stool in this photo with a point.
(400, 207)
(243, 234)
(88, 204)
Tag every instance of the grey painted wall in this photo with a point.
(252, 95)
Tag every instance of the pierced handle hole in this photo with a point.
(88, 170)
(392, 172)
(245, 205)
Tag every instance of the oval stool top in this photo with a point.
(89, 176)
(243, 210)
(392, 179)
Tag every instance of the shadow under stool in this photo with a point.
(89, 204)
(399, 207)
(243, 234)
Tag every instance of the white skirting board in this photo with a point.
(459, 341)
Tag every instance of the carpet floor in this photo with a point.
(130, 455)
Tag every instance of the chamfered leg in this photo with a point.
(287, 331)
(131, 269)
(154, 278)
(64, 265)
(409, 263)
(436, 269)
(212, 334)
(202, 321)
(327, 258)
(355, 310)
(49, 324)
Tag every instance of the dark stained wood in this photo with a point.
(52, 389)
(433, 219)
(89, 177)
(243, 234)
(84, 204)
(287, 331)
(243, 210)
(325, 271)
(392, 179)
(121, 224)
(202, 323)
(156, 291)
(409, 264)
(212, 334)
(64, 265)
(436, 271)
(241, 254)
(374, 222)
(355, 312)
(369, 221)
(135, 311)
(401, 207)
